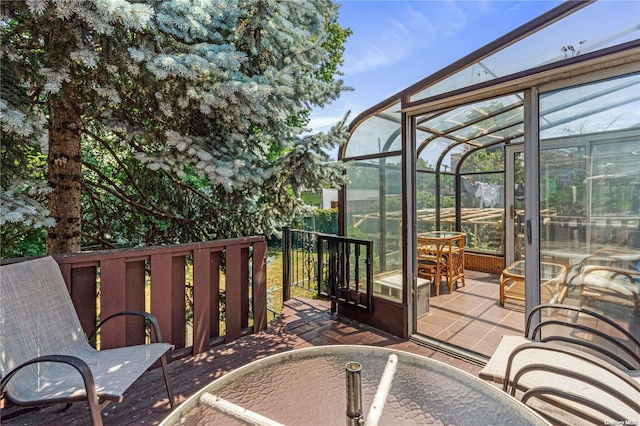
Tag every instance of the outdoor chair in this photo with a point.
(609, 275)
(577, 329)
(572, 387)
(441, 258)
(430, 265)
(45, 357)
(585, 330)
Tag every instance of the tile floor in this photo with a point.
(472, 317)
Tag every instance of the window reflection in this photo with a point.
(590, 193)
(374, 212)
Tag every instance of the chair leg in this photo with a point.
(94, 409)
(451, 282)
(167, 381)
(66, 407)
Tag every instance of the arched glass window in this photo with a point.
(379, 133)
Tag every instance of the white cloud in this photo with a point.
(321, 124)
(371, 56)
(401, 30)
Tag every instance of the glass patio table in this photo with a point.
(308, 387)
(553, 289)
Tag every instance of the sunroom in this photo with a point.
(528, 148)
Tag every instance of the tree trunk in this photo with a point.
(65, 177)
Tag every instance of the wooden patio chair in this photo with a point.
(572, 387)
(45, 357)
(441, 259)
(431, 265)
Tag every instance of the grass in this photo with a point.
(275, 280)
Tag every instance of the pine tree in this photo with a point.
(209, 96)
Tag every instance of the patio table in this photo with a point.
(552, 285)
(308, 387)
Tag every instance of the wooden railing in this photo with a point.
(160, 279)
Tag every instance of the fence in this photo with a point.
(339, 268)
(201, 293)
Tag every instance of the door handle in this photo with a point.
(529, 231)
(512, 212)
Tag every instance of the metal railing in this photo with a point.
(339, 268)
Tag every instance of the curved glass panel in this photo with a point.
(468, 126)
(428, 156)
(595, 27)
(451, 158)
(484, 160)
(380, 133)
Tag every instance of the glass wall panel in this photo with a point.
(482, 211)
(374, 212)
(482, 200)
(426, 201)
(430, 150)
(595, 27)
(380, 133)
(447, 202)
(590, 195)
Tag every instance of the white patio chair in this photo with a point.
(45, 357)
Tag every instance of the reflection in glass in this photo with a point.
(374, 212)
(590, 193)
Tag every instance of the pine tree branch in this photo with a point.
(202, 196)
(158, 213)
(123, 167)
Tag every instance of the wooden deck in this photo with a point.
(303, 323)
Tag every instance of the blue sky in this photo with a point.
(396, 43)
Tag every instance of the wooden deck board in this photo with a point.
(303, 323)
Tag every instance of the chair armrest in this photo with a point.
(82, 368)
(615, 271)
(146, 315)
(77, 363)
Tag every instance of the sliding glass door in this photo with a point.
(590, 193)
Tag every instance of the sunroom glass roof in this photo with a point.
(477, 124)
(594, 27)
